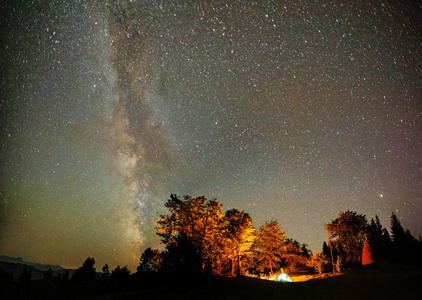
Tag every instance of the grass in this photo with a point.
(386, 281)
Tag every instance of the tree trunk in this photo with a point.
(238, 265)
(271, 268)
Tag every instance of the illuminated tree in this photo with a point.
(269, 246)
(347, 234)
(239, 235)
(293, 255)
(367, 258)
(193, 223)
(317, 262)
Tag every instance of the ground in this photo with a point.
(386, 281)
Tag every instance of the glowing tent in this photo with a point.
(283, 278)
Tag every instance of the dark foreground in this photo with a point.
(387, 281)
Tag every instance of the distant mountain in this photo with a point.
(15, 269)
(42, 267)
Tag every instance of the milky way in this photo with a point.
(283, 109)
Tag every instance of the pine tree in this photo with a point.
(367, 257)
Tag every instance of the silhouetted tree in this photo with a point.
(386, 244)
(181, 256)
(347, 234)
(398, 235)
(24, 280)
(105, 274)
(326, 250)
(120, 278)
(375, 237)
(83, 279)
(151, 261)
(405, 247)
(269, 246)
(305, 252)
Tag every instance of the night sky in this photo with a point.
(285, 109)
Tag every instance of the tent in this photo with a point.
(283, 278)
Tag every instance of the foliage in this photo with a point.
(338, 265)
(105, 274)
(193, 222)
(150, 262)
(84, 278)
(367, 258)
(317, 262)
(295, 255)
(269, 246)
(405, 248)
(239, 235)
(347, 234)
(119, 278)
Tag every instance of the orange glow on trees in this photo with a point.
(347, 234)
(193, 222)
(367, 257)
(269, 246)
(239, 235)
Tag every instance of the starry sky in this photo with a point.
(295, 110)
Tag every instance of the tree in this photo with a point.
(238, 237)
(326, 250)
(24, 279)
(293, 255)
(398, 234)
(181, 256)
(269, 246)
(375, 236)
(305, 252)
(120, 278)
(151, 261)
(367, 258)
(317, 262)
(105, 274)
(194, 222)
(405, 248)
(84, 277)
(48, 275)
(347, 234)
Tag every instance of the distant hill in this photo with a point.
(15, 265)
(15, 269)
(18, 260)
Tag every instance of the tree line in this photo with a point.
(350, 232)
(200, 239)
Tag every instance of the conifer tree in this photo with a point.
(367, 257)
